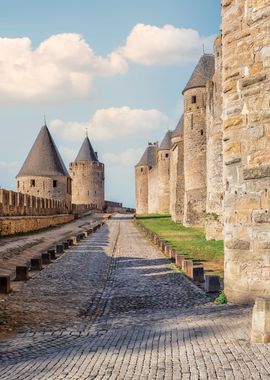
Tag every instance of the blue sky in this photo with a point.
(112, 66)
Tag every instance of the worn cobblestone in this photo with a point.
(123, 312)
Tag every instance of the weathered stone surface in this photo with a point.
(260, 330)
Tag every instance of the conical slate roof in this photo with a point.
(43, 158)
(179, 128)
(149, 158)
(204, 71)
(86, 153)
(166, 142)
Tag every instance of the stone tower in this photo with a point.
(43, 173)
(246, 129)
(164, 174)
(195, 141)
(146, 163)
(87, 175)
(177, 178)
(214, 154)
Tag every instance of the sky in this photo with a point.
(114, 67)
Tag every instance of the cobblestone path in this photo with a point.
(123, 312)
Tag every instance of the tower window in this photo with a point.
(32, 183)
(18, 184)
(201, 132)
(141, 170)
(194, 99)
(166, 155)
(54, 183)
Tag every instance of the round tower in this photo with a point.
(177, 178)
(87, 175)
(146, 163)
(164, 174)
(43, 173)
(195, 141)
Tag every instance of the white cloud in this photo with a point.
(126, 159)
(151, 45)
(61, 67)
(67, 154)
(113, 123)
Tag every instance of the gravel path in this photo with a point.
(114, 308)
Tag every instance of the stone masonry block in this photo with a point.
(212, 284)
(260, 330)
(5, 284)
(22, 273)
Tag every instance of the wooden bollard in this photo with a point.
(65, 244)
(46, 258)
(5, 284)
(52, 252)
(198, 273)
(22, 273)
(179, 259)
(59, 248)
(36, 263)
(172, 254)
(188, 268)
(70, 242)
(212, 284)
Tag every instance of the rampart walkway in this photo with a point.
(114, 308)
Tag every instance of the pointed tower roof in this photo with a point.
(179, 128)
(202, 73)
(86, 153)
(166, 142)
(149, 158)
(43, 158)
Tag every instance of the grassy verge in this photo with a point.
(189, 241)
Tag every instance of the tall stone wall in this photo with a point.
(54, 187)
(88, 183)
(246, 84)
(153, 191)
(163, 181)
(141, 180)
(18, 204)
(177, 180)
(195, 156)
(214, 155)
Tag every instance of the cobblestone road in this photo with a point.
(122, 312)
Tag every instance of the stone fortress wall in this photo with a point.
(220, 175)
(246, 135)
(214, 146)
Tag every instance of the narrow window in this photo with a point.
(201, 132)
(166, 155)
(32, 183)
(18, 184)
(141, 170)
(54, 183)
(191, 121)
(194, 99)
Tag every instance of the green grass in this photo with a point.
(188, 241)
